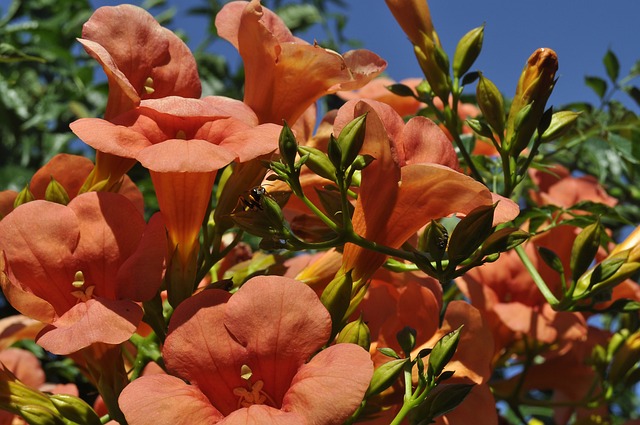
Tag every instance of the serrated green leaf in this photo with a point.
(597, 84)
(612, 65)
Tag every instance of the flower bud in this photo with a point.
(491, 104)
(413, 16)
(356, 332)
(503, 240)
(23, 197)
(407, 339)
(288, 147)
(435, 65)
(470, 233)
(534, 88)
(385, 375)
(443, 351)
(631, 243)
(318, 162)
(480, 128)
(561, 123)
(75, 409)
(467, 51)
(336, 298)
(627, 355)
(56, 193)
(434, 240)
(585, 248)
(39, 415)
(351, 139)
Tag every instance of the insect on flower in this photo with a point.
(254, 200)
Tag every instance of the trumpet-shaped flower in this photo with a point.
(246, 357)
(141, 60)
(80, 268)
(283, 74)
(412, 181)
(183, 142)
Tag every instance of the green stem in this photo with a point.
(538, 280)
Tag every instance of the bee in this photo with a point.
(254, 200)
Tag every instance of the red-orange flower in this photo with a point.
(378, 90)
(70, 171)
(255, 367)
(80, 268)
(283, 74)
(142, 60)
(412, 181)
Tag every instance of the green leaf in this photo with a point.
(634, 92)
(597, 84)
(612, 65)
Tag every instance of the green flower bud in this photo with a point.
(467, 51)
(407, 339)
(385, 375)
(434, 64)
(356, 332)
(584, 249)
(491, 104)
(445, 398)
(288, 147)
(625, 357)
(503, 240)
(336, 298)
(318, 162)
(470, 233)
(351, 139)
(362, 161)
(334, 152)
(23, 197)
(75, 409)
(443, 351)
(56, 193)
(434, 240)
(480, 128)
(561, 123)
(39, 415)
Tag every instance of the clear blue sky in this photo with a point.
(579, 31)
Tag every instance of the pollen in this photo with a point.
(82, 292)
(148, 86)
(251, 393)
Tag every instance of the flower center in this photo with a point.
(83, 292)
(252, 393)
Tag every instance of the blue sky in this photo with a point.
(579, 31)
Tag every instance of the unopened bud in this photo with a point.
(435, 66)
(351, 139)
(443, 351)
(336, 298)
(480, 128)
(491, 104)
(534, 88)
(75, 409)
(56, 193)
(413, 16)
(385, 375)
(561, 123)
(504, 240)
(434, 240)
(39, 415)
(627, 355)
(467, 51)
(318, 162)
(356, 332)
(288, 147)
(470, 233)
(362, 161)
(584, 249)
